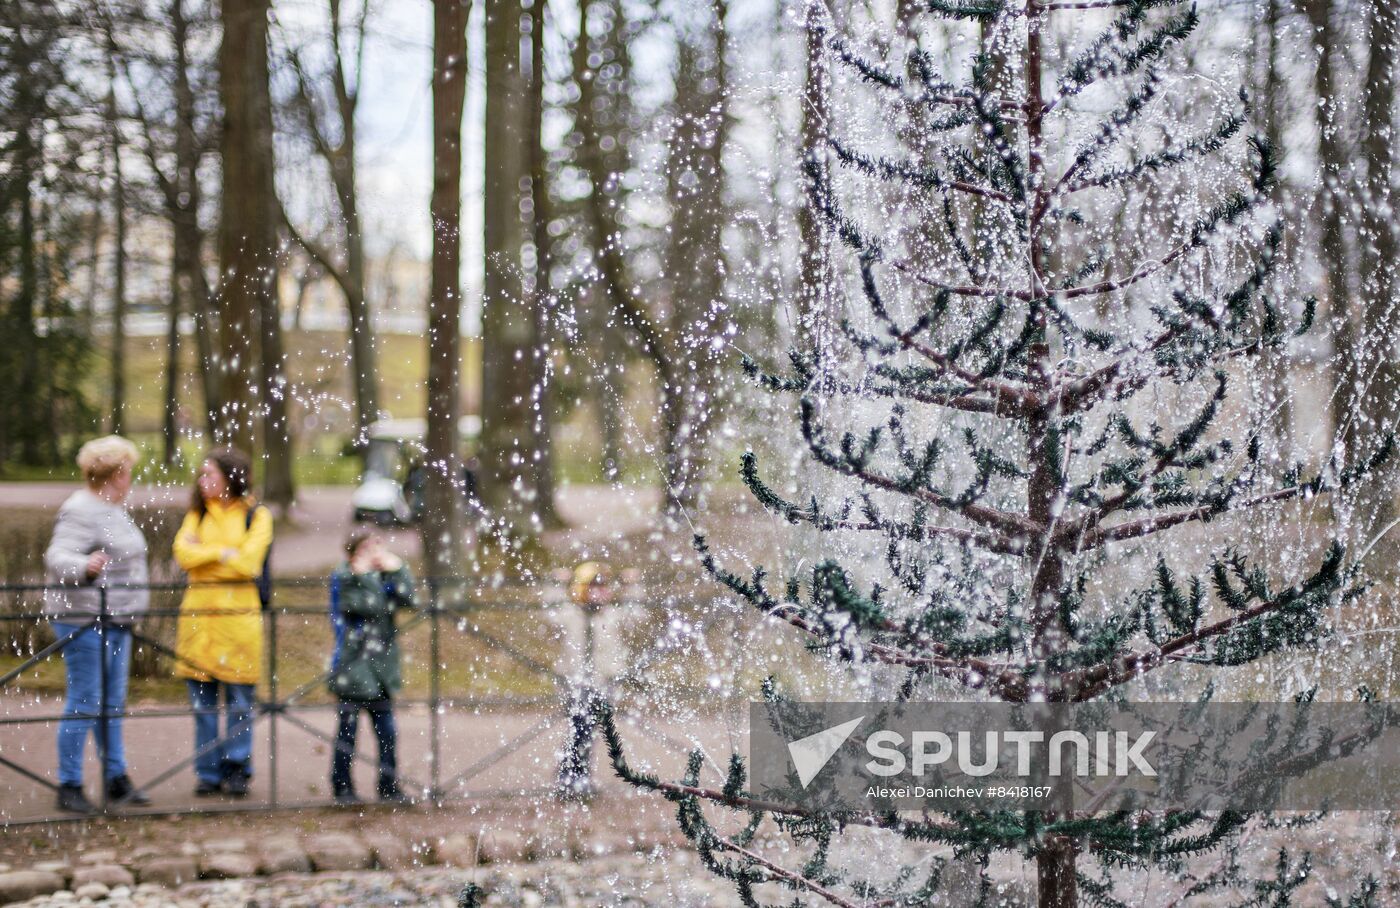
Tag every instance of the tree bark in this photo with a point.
(442, 520)
(170, 429)
(541, 212)
(24, 305)
(1333, 252)
(245, 243)
(1277, 367)
(512, 395)
(1380, 255)
(1055, 862)
(816, 320)
(346, 172)
(117, 354)
(610, 391)
(249, 329)
(1055, 880)
(183, 208)
(279, 485)
(695, 258)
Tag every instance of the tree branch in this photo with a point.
(1147, 526)
(321, 256)
(1087, 684)
(1141, 274)
(787, 876)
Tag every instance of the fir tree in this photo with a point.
(1043, 462)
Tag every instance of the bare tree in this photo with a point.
(329, 124)
(175, 143)
(44, 132)
(442, 520)
(117, 354)
(695, 262)
(674, 334)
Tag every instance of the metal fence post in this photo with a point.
(434, 698)
(575, 779)
(274, 705)
(103, 645)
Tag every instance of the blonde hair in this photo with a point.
(102, 458)
(586, 575)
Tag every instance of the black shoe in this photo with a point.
(236, 782)
(347, 799)
(121, 791)
(72, 800)
(208, 789)
(394, 795)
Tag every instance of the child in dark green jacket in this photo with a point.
(366, 666)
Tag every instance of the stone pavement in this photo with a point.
(273, 870)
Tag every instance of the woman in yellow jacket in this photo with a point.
(224, 539)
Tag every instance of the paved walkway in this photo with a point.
(485, 754)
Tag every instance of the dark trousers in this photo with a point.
(381, 718)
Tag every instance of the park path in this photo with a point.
(309, 541)
(486, 754)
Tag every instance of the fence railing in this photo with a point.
(480, 654)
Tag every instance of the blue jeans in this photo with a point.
(381, 718)
(236, 747)
(83, 659)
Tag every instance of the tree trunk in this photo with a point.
(1381, 252)
(279, 485)
(1279, 365)
(24, 306)
(1333, 252)
(1055, 875)
(246, 244)
(184, 212)
(89, 310)
(117, 378)
(512, 377)
(205, 319)
(442, 520)
(363, 357)
(695, 258)
(541, 213)
(610, 390)
(170, 430)
(593, 112)
(816, 320)
(1055, 870)
(345, 174)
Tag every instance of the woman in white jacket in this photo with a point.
(96, 549)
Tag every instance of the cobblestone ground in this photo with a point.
(625, 881)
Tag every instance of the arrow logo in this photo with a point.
(813, 752)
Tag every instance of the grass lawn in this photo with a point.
(318, 364)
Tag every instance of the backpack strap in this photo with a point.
(337, 620)
(264, 578)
